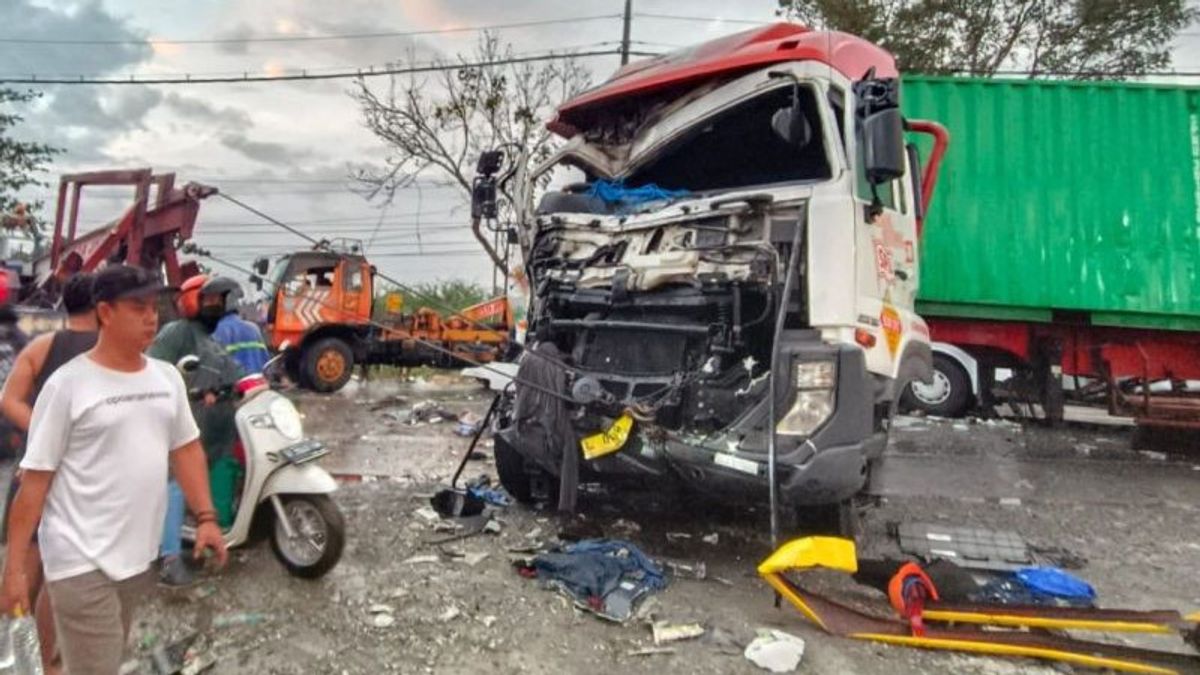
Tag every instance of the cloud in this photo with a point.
(207, 115)
(79, 119)
(239, 32)
(85, 21)
(264, 151)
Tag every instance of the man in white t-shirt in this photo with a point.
(105, 429)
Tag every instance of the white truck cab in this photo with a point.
(698, 229)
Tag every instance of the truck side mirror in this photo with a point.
(260, 266)
(483, 189)
(883, 149)
(791, 125)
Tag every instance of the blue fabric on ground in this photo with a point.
(615, 192)
(1056, 583)
(634, 559)
(489, 495)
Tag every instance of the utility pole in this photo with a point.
(625, 32)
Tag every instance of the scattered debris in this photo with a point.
(240, 619)
(380, 609)
(650, 651)
(492, 526)
(474, 558)
(383, 620)
(534, 533)
(427, 514)
(970, 547)
(449, 614)
(422, 559)
(199, 664)
(468, 425)
(711, 539)
(776, 651)
(487, 621)
(668, 632)
(481, 489)
(1151, 454)
(687, 570)
(1010, 501)
(624, 527)
(675, 537)
(608, 577)
(201, 592)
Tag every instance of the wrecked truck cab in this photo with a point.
(658, 243)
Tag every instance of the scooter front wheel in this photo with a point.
(319, 534)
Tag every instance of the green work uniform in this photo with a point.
(218, 430)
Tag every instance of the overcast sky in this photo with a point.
(286, 147)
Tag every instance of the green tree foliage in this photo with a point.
(441, 296)
(20, 161)
(1082, 39)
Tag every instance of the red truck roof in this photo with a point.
(850, 55)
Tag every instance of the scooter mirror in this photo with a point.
(188, 364)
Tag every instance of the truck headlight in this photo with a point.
(286, 419)
(813, 402)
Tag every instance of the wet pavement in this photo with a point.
(460, 607)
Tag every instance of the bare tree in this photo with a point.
(436, 125)
(1083, 39)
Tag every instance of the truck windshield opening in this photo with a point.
(738, 148)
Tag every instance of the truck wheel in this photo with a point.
(327, 364)
(320, 535)
(518, 481)
(510, 466)
(948, 395)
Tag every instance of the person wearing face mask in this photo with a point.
(242, 339)
(191, 334)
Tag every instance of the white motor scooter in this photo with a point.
(283, 489)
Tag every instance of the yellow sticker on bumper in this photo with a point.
(610, 441)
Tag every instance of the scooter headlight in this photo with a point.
(813, 403)
(286, 419)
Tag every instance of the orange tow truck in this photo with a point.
(321, 300)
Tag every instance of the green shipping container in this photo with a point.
(1056, 197)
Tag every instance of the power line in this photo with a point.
(370, 71)
(310, 38)
(706, 19)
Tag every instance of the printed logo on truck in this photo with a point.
(893, 327)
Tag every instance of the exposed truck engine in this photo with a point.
(747, 203)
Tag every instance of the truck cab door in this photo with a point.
(355, 303)
(886, 246)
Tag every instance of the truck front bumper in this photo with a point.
(826, 467)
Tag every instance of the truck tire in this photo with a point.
(510, 467)
(525, 485)
(326, 364)
(948, 395)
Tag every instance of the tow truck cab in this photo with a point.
(657, 243)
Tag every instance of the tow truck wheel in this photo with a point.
(327, 364)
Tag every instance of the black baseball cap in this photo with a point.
(117, 282)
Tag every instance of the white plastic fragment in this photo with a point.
(775, 650)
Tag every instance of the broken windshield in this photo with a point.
(739, 148)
